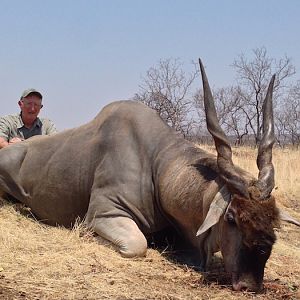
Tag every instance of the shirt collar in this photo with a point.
(20, 124)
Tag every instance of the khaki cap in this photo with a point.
(31, 91)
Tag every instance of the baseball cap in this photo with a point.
(31, 91)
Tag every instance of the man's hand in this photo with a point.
(15, 140)
(4, 143)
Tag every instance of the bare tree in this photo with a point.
(231, 113)
(288, 118)
(232, 105)
(253, 77)
(167, 89)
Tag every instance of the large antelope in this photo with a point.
(128, 174)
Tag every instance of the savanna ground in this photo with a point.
(42, 262)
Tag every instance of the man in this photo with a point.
(16, 128)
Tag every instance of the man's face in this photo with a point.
(30, 106)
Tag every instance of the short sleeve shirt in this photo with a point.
(12, 126)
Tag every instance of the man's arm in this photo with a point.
(3, 133)
(5, 139)
(3, 143)
(50, 127)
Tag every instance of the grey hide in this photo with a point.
(126, 171)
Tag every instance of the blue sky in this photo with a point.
(84, 54)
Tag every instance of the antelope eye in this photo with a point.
(230, 218)
(263, 250)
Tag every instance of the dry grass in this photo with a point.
(41, 262)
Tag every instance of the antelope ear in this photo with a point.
(284, 216)
(216, 210)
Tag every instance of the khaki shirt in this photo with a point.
(12, 126)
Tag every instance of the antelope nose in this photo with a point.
(242, 285)
(239, 286)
